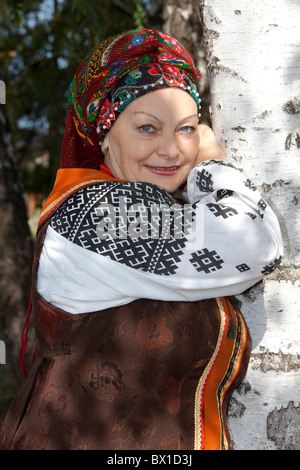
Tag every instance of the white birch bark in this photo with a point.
(252, 52)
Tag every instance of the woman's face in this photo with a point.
(155, 139)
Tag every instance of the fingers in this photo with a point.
(209, 147)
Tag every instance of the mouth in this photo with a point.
(163, 170)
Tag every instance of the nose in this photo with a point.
(168, 146)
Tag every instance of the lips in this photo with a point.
(163, 170)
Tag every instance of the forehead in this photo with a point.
(163, 102)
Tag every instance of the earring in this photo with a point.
(105, 151)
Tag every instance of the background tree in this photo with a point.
(181, 20)
(252, 51)
(16, 249)
(42, 43)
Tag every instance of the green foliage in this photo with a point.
(140, 16)
(42, 43)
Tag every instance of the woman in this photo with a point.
(138, 344)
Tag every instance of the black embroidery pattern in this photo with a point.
(223, 211)
(269, 268)
(262, 207)
(217, 162)
(243, 268)
(154, 248)
(112, 219)
(204, 181)
(223, 193)
(248, 183)
(206, 261)
(262, 204)
(253, 216)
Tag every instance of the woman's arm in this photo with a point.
(209, 147)
(224, 239)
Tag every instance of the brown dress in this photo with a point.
(147, 375)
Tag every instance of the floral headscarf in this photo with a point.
(114, 73)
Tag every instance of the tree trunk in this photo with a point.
(181, 20)
(254, 76)
(16, 251)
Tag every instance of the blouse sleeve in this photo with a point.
(115, 242)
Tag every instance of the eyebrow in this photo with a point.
(154, 117)
(148, 114)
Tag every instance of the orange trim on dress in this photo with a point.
(219, 374)
(69, 180)
(224, 365)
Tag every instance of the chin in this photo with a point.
(171, 188)
(164, 183)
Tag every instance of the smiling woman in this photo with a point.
(139, 342)
(155, 140)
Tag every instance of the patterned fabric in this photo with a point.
(135, 240)
(140, 373)
(106, 82)
(151, 374)
(67, 182)
(148, 375)
(216, 381)
(142, 247)
(139, 82)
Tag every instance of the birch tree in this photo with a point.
(251, 53)
(181, 20)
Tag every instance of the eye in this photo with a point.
(147, 128)
(187, 129)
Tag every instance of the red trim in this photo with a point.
(67, 182)
(106, 170)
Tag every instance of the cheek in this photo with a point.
(131, 158)
(139, 151)
(191, 150)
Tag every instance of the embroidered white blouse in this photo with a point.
(113, 242)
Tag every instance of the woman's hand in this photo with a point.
(208, 146)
